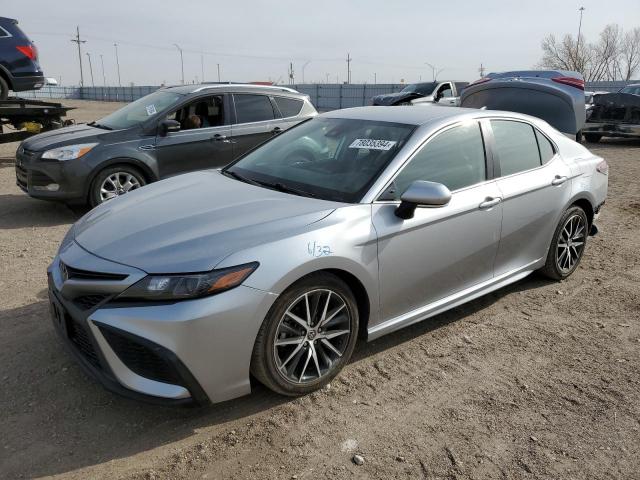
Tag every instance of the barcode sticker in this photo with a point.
(372, 144)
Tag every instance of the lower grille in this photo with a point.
(145, 360)
(82, 340)
(86, 302)
(39, 179)
(21, 177)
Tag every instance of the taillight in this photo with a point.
(28, 50)
(571, 81)
(603, 167)
(479, 81)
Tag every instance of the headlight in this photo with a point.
(69, 152)
(178, 287)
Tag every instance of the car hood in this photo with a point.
(63, 136)
(191, 222)
(395, 98)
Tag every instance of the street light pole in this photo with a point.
(104, 78)
(117, 64)
(91, 69)
(202, 67)
(581, 10)
(218, 72)
(181, 61)
(303, 67)
(433, 70)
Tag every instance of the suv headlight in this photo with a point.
(69, 152)
(179, 287)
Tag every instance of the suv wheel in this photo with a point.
(113, 182)
(307, 337)
(567, 245)
(592, 137)
(4, 89)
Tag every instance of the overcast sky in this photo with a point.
(256, 39)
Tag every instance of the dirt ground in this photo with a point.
(538, 380)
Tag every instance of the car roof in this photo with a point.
(412, 115)
(231, 87)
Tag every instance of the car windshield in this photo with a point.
(422, 88)
(632, 89)
(138, 111)
(330, 158)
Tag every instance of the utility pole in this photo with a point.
(78, 42)
(327, 78)
(481, 70)
(375, 78)
(581, 10)
(291, 74)
(104, 78)
(117, 64)
(349, 59)
(202, 67)
(218, 73)
(181, 61)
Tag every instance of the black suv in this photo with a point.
(19, 68)
(171, 131)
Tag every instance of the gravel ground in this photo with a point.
(538, 380)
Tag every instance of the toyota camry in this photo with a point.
(353, 224)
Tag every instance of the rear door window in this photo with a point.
(289, 107)
(546, 148)
(253, 108)
(516, 146)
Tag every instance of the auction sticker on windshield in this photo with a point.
(151, 109)
(372, 144)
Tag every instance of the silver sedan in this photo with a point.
(356, 223)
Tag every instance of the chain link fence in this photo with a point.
(325, 97)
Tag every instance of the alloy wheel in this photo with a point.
(117, 184)
(312, 336)
(570, 243)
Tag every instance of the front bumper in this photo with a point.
(50, 179)
(624, 130)
(195, 351)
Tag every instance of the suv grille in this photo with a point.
(21, 177)
(145, 360)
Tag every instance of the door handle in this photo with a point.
(489, 202)
(219, 138)
(559, 180)
(276, 131)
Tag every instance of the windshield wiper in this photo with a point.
(286, 189)
(97, 125)
(237, 176)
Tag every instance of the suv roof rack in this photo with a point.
(250, 85)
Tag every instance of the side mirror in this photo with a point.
(168, 126)
(420, 192)
(430, 98)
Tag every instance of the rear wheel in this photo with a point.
(113, 182)
(307, 337)
(567, 245)
(4, 89)
(592, 137)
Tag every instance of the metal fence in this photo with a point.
(324, 96)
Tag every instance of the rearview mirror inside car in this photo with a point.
(168, 126)
(420, 192)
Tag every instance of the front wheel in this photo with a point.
(4, 89)
(307, 337)
(113, 182)
(567, 245)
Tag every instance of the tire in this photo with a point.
(291, 368)
(579, 136)
(4, 89)
(111, 178)
(563, 261)
(592, 137)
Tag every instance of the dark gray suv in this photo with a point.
(171, 131)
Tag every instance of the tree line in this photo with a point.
(615, 55)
